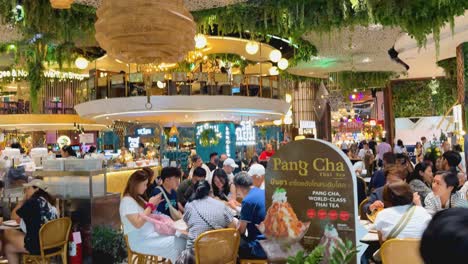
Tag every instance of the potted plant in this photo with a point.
(108, 245)
(342, 253)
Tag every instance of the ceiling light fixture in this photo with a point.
(81, 63)
(200, 41)
(275, 55)
(252, 47)
(283, 64)
(273, 70)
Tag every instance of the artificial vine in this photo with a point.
(450, 67)
(293, 18)
(49, 36)
(208, 138)
(348, 80)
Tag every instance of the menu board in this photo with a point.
(310, 197)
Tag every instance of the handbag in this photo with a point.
(397, 229)
(175, 214)
(163, 224)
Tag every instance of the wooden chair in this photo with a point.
(138, 258)
(253, 261)
(53, 236)
(362, 214)
(224, 243)
(401, 251)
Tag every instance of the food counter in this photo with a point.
(91, 198)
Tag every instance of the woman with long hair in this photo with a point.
(222, 189)
(445, 193)
(420, 180)
(36, 209)
(142, 236)
(203, 213)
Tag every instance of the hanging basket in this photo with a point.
(143, 32)
(61, 4)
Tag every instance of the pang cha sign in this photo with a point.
(311, 183)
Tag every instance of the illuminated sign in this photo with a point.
(145, 132)
(133, 142)
(228, 141)
(63, 141)
(246, 134)
(21, 74)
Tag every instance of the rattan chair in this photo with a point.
(253, 261)
(401, 251)
(362, 214)
(138, 258)
(53, 236)
(217, 247)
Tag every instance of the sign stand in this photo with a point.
(311, 196)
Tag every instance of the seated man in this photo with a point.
(170, 177)
(252, 213)
(257, 172)
(378, 178)
(185, 189)
(392, 173)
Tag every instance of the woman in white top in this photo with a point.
(400, 148)
(445, 193)
(142, 236)
(398, 199)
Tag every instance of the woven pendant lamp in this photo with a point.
(143, 32)
(61, 4)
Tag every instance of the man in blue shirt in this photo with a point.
(170, 177)
(252, 213)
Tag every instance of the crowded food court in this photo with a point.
(233, 131)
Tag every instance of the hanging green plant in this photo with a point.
(348, 80)
(291, 19)
(450, 67)
(208, 138)
(49, 36)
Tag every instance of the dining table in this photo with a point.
(371, 236)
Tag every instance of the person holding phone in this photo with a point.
(142, 236)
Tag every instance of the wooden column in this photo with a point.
(462, 88)
(389, 114)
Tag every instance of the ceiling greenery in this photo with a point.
(58, 36)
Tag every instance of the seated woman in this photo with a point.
(222, 189)
(444, 193)
(36, 209)
(400, 212)
(203, 213)
(142, 236)
(68, 152)
(421, 179)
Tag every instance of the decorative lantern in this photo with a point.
(61, 4)
(143, 32)
(173, 131)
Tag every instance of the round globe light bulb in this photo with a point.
(273, 70)
(288, 120)
(275, 55)
(200, 41)
(81, 63)
(277, 122)
(252, 47)
(161, 85)
(289, 113)
(288, 98)
(283, 64)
